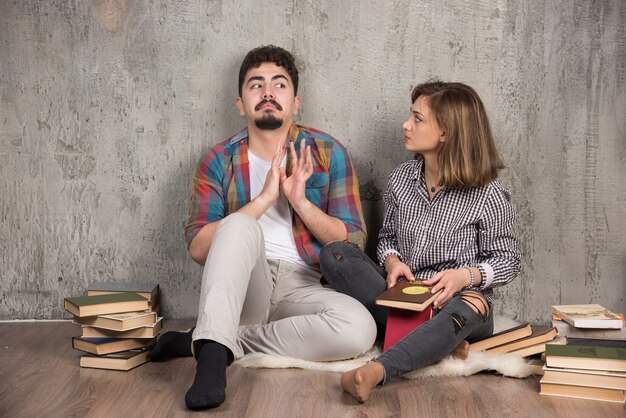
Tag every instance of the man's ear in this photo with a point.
(239, 104)
(296, 108)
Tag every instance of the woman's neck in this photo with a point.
(431, 168)
(431, 176)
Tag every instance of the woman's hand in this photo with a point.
(395, 269)
(449, 282)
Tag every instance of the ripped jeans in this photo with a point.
(350, 271)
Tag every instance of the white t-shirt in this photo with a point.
(276, 221)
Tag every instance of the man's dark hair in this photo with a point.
(269, 53)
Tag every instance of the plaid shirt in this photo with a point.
(221, 186)
(460, 227)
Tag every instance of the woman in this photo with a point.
(448, 222)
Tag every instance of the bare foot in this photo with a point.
(359, 382)
(461, 350)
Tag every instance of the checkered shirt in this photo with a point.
(460, 227)
(221, 186)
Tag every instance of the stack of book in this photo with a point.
(588, 321)
(522, 340)
(587, 369)
(593, 367)
(119, 323)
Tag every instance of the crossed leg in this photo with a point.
(360, 382)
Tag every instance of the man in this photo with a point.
(263, 204)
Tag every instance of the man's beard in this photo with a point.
(268, 122)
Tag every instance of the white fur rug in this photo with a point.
(506, 364)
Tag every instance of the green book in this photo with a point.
(586, 357)
(147, 290)
(105, 304)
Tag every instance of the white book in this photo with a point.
(588, 316)
(571, 331)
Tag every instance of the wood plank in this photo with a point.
(40, 376)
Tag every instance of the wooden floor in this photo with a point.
(40, 377)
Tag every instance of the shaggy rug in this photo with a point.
(506, 364)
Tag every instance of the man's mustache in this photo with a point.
(271, 101)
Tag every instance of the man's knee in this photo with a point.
(359, 333)
(242, 224)
(239, 219)
(335, 252)
(476, 301)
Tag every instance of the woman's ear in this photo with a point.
(442, 137)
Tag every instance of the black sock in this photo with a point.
(209, 386)
(172, 344)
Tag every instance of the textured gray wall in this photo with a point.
(106, 107)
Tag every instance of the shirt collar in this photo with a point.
(243, 134)
(419, 162)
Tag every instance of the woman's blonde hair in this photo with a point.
(468, 157)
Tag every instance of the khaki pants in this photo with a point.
(251, 304)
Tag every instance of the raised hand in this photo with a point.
(294, 186)
(271, 188)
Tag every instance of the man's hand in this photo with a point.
(271, 187)
(294, 186)
(449, 282)
(396, 269)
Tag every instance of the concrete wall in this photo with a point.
(106, 107)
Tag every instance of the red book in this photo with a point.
(402, 321)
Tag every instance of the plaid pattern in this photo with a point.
(458, 228)
(221, 186)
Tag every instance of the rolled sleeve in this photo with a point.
(499, 253)
(344, 199)
(387, 238)
(206, 204)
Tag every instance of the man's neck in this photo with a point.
(262, 143)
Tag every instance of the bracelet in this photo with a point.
(471, 272)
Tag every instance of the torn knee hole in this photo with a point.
(338, 256)
(458, 321)
(477, 303)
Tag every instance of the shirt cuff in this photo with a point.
(355, 235)
(487, 275)
(386, 254)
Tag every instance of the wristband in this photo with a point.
(471, 272)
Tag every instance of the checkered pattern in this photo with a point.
(221, 186)
(458, 228)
